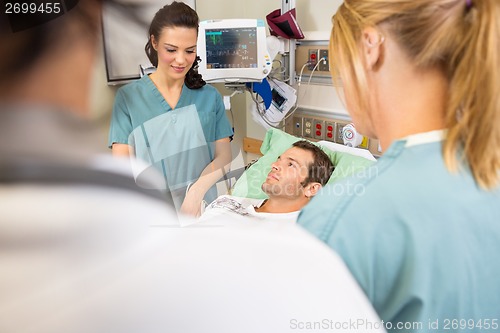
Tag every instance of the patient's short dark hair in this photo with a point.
(320, 170)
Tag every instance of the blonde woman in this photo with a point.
(420, 231)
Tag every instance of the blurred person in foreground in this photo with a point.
(84, 249)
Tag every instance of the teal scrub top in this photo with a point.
(180, 142)
(422, 242)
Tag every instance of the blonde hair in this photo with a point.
(461, 38)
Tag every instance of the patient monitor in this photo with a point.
(233, 51)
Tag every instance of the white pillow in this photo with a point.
(345, 149)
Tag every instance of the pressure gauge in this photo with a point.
(350, 136)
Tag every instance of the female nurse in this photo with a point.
(170, 119)
(420, 230)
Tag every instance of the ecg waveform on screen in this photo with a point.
(232, 48)
(215, 40)
(225, 53)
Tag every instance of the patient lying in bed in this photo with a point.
(295, 177)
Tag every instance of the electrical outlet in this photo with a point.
(319, 129)
(330, 131)
(323, 65)
(307, 128)
(313, 59)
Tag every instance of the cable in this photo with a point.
(262, 113)
(299, 81)
(236, 91)
(298, 86)
(312, 72)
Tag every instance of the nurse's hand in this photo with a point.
(192, 203)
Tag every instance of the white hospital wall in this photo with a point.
(316, 15)
(102, 95)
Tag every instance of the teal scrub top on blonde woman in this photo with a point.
(179, 142)
(421, 241)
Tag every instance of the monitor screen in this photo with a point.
(231, 48)
(278, 99)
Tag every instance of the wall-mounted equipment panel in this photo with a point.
(317, 128)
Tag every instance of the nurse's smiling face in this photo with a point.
(176, 49)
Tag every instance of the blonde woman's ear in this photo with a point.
(372, 40)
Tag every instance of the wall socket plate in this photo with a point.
(319, 129)
(323, 66)
(330, 131)
(304, 125)
(307, 128)
(297, 126)
(313, 59)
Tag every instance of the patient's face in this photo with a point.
(287, 173)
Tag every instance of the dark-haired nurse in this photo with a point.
(171, 119)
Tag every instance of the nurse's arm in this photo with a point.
(121, 149)
(210, 175)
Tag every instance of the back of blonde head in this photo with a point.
(462, 38)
